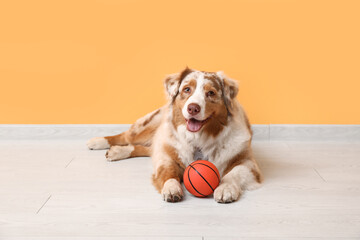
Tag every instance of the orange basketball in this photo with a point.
(201, 178)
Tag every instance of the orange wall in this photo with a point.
(103, 61)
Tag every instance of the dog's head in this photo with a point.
(201, 100)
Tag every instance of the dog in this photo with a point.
(202, 120)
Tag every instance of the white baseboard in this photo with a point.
(59, 131)
(266, 132)
(306, 132)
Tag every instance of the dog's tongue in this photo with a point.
(194, 125)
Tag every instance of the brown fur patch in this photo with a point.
(246, 154)
(171, 151)
(144, 137)
(174, 169)
(229, 91)
(140, 133)
(141, 151)
(215, 107)
(147, 121)
(176, 79)
(132, 137)
(240, 158)
(230, 88)
(257, 175)
(119, 139)
(184, 73)
(177, 116)
(191, 84)
(164, 173)
(178, 104)
(209, 87)
(218, 121)
(214, 79)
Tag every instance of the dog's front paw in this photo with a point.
(172, 191)
(119, 152)
(227, 193)
(98, 143)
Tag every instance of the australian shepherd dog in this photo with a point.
(202, 120)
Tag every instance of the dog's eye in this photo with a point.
(187, 90)
(210, 93)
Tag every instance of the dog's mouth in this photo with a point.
(194, 125)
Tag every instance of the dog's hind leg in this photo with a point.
(122, 152)
(140, 133)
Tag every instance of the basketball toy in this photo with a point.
(201, 178)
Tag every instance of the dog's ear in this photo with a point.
(231, 87)
(230, 90)
(172, 82)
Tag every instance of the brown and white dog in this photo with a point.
(203, 120)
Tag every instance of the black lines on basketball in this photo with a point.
(192, 167)
(201, 178)
(210, 168)
(192, 183)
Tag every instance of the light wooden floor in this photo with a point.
(58, 189)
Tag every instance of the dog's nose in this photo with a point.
(193, 109)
